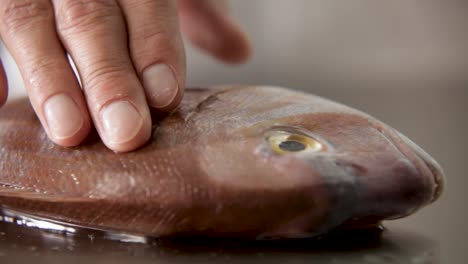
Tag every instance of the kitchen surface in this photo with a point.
(404, 62)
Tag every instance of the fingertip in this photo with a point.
(162, 87)
(3, 85)
(139, 140)
(73, 140)
(235, 48)
(67, 123)
(125, 126)
(174, 103)
(210, 28)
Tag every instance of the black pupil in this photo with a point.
(291, 145)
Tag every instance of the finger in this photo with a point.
(27, 28)
(3, 85)
(207, 24)
(93, 32)
(156, 49)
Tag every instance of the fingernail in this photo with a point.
(63, 117)
(160, 85)
(121, 122)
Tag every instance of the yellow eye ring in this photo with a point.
(284, 142)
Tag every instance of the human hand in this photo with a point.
(128, 53)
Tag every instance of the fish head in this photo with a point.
(327, 164)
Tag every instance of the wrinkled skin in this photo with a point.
(209, 171)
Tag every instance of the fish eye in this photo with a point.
(284, 142)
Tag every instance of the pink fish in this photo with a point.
(244, 161)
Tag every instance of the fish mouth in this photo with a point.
(439, 181)
(404, 144)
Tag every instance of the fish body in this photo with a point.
(247, 161)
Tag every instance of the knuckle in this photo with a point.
(132, 4)
(150, 5)
(151, 41)
(79, 14)
(42, 77)
(153, 36)
(103, 75)
(19, 13)
(148, 46)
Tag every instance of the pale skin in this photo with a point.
(129, 55)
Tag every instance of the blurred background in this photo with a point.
(405, 62)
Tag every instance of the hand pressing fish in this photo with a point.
(250, 162)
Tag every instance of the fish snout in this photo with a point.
(391, 187)
(363, 188)
(429, 165)
(381, 185)
(388, 184)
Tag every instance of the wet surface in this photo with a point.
(19, 244)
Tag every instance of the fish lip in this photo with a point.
(432, 165)
(439, 180)
(399, 141)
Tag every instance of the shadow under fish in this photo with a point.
(240, 162)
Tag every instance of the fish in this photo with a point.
(253, 162)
